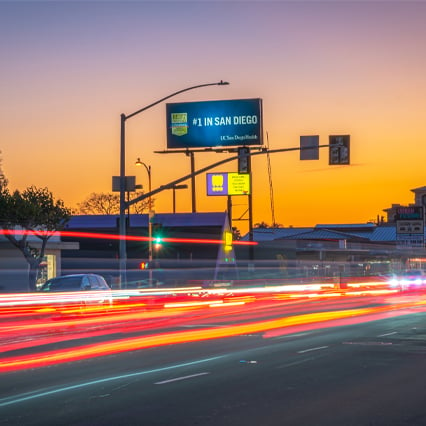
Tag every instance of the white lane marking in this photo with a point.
(289, 336)
(368, 343)
(387, 334)
(28, 396)
(292, 364)
(312, 349)
(176, 379)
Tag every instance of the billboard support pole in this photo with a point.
(230, 211)
(250, 206)
(191, 155)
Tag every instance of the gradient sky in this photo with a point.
(69, 69)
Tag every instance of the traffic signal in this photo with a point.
(227, 241)
(244, 160)
(339, 149)
(157, 234)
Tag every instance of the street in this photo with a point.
(364, 371)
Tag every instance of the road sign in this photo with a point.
(228, 183)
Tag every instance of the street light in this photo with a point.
(150, 215)
(148, 170)
(123, 203)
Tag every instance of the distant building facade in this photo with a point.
(419, 201)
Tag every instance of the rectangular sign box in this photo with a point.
(228, 184)
(409, 213)
(309, 147)
(211, 124)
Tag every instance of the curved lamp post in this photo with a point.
(123, 204)
(150, 215)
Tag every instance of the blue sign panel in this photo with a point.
(214, 123)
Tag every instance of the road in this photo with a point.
(364, 370)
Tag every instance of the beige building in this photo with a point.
(419, 200)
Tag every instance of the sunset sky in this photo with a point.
(69, 69)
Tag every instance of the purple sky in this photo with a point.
(69, 69)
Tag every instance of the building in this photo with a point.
(14, 268)
(419, 201)
(187, 246)
(326, 250)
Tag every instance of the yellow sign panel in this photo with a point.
(239, 184)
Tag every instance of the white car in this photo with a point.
(92, 289)
(409, 280)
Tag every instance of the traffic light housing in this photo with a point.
(339, 149)
(244, 160)
(157, 235)
(144, 265)
(227, 241)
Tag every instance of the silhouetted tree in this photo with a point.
(3, 180)
(236, 234)
(264, 225)
(32, 212)
(109, 203)
(261, 225)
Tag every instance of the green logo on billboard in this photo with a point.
(179, 123)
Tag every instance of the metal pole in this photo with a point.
(122, 220)
(123, 204)
(250, 207)
(174, 199)
(194, 208)
(150, 215)
(230, 211)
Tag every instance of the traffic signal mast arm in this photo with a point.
(170, 185)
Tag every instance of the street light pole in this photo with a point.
(150, 215)
(123, 203)
(122, 221)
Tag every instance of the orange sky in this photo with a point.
(70, 69)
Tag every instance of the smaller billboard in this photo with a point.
(409, 213)
(409, 226)
(214, 123)
(228, 184)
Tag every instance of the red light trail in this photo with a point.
(149, 314)
(75, 234)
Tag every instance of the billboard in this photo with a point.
(409, 226)
(214, 123)
(228, 183)
(409, 213)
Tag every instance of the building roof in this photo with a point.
(366, 232)
(269, 234)
(421, 189)
(325, 234)
(384, 234)
(142, 220)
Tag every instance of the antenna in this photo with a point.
(271, 188)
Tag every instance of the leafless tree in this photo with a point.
(109, 203)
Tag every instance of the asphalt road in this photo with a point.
(368, 373)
